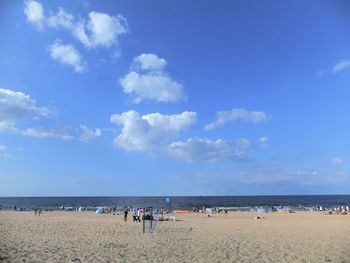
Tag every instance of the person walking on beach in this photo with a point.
(126, 215)
(138, 218)
(134, 215)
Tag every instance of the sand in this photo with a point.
(236, 237)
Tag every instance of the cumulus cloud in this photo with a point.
(152, 132)
(196, 149)
(154, 84)
(337, 160)
(68, 55)
(158, 135)
(105, 29)
(341, 65)
(264, 142)
(152, 87)
(150, 62)
(223, 117)
(34, 13)
(99, 30)
(19, 108)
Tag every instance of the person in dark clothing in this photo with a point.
(126, 215)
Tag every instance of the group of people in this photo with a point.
(136, 215)
(340, 210)
(38, 212)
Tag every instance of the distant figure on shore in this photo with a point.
(40, 212)
(138, 218)
(15, 208)
(35, 211)
(134, 215)
(114, 209)
(126, 215)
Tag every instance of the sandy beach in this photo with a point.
(235, 237)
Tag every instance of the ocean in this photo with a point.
(178, 202)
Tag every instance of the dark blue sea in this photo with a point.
(177, 202)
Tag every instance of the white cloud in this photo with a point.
(341, 65)
(100, 30)
(68, 55)
(195, 149)
(150, 62)
(152, 87)
(156, 134)
(83, 133)
(337, 160)
(17, 106)
(34, 13)
(155, 84)
(88, 134)
(152, 132)
(61, 19)
(104, 29)
(64, 134)
(223, 117)
(97, 30)
(264, 142)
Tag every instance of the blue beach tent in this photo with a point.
(261, 210)
(99, 211)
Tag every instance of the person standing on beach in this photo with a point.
(138, 215)
(134, 215)
(126, 215)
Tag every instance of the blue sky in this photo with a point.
(174, 97)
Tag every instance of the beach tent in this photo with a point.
(100, 210)
(261, 210)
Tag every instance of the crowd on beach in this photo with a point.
(162, 214)
(339, 210)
